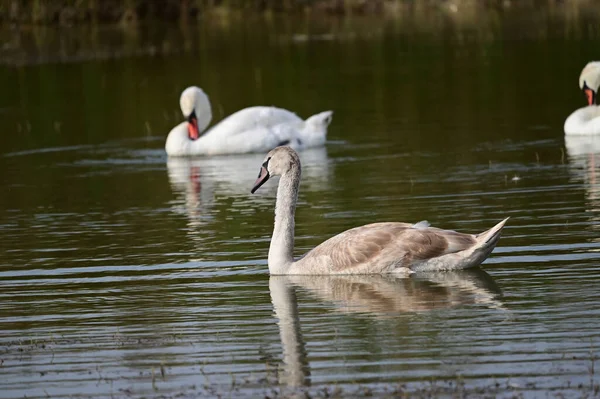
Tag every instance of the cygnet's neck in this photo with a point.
(282, 243)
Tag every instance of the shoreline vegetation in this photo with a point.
(73, 12)
(86, 35)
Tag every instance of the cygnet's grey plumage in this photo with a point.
(377, 248)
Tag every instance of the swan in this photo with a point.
(253, 129)
(586, 120)
(376, 248)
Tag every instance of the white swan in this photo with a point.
(253, 129)
(586, 120)
(371, 249)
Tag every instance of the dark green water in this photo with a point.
(123, 273)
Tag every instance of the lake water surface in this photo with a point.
(127, 274)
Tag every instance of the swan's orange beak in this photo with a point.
(193, 132)
(589, 94)
(263, 176)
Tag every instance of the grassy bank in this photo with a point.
(67, 12)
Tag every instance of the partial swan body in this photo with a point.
(254, 129)
(377, 248)
(586, 120)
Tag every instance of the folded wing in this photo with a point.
(389, 246)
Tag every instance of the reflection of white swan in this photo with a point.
(196, 181)
(580, 146)
(586, 120)
(374, 248)
(382, 296)
(584, 157)
(253, 129)
(584, 165)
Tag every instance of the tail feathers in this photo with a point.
(491, 236)
(469, 257)
(486, 242)
(314, 132)
(320, 120)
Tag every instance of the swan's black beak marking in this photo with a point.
(263, 176)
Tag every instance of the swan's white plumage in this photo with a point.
(253, 129)
(378, 248)
(586, 120)
(590, 76)
(194, 99)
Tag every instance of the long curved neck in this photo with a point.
(204, 115)
(282, 242)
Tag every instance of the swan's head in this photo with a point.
(589, 81)
(278, 161)
(195, 107)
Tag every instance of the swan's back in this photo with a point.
(252, 118)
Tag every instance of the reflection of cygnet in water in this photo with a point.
(388, 295)
(198, 181)
(383, 296)
(296, 371)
